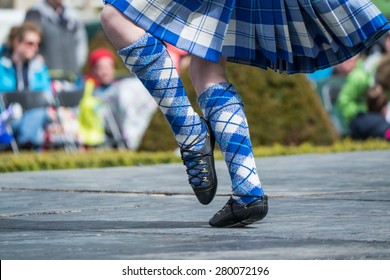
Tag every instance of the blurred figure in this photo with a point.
(125, 106)
(65, 44)
(21, 69)
(339, 71)
(343, 69)
(328, 83)
(351, 100)
(13, 112)
(375, 123)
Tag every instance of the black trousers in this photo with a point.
(369, 125)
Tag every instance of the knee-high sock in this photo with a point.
(223, 108)
(149, 60)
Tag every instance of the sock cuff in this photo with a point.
(217, 96)
(141, 42)
(216, 89)
(141, 52)
(209, 91)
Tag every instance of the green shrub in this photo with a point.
(29, 161)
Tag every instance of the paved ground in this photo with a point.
(334, 206)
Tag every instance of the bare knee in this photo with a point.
(119, 29)
(205, 73)
(107, 16)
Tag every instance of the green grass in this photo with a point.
(29, 161)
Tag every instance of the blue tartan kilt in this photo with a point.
(292, 36)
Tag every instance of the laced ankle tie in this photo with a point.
(196, 167)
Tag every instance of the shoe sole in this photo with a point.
(245, 223)
(261, 214)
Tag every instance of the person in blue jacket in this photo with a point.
(22, 69)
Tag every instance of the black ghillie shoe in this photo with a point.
(201, 168)
(237, 215)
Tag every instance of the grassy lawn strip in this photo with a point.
(29, 161)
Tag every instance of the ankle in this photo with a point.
(245, 200)
(196, 142)
(254, 194)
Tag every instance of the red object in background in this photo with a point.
(176, 55)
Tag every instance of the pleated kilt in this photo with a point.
(293, 36)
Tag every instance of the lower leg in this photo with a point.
(223, 108)
(205, 74)
(147, 57)
(119, 29)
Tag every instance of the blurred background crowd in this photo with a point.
(59, 89)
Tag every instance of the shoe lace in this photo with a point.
(196, 167)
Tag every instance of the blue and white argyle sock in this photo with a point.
(223, 108)
(149, 60)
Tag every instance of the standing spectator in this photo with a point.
(21, 69)
(65, 44)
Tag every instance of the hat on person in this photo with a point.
(98, 54)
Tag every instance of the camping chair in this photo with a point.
(69, 100)
(27, 100)
(113, 128)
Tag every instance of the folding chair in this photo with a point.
(27, 100)
(70, 100)
(113, 128)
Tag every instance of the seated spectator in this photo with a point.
(21, 69)
(128, 111)
(351, 100)
(375, 123)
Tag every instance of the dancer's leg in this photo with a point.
(147, 57)
(223, 108)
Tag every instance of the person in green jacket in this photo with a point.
(352, 99)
